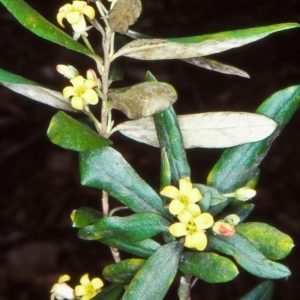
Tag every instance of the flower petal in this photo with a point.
(176, 207)
(195, 195)
(185, 216)
(201, 240)
(89, 12)
(90, 96)
(77, 81)
(79, 290)
(194, 209)
(80, 26)
(97, 283)
(178, 229)
(68, 92)
(74, 17)
(59, 18)
(64, 278)
(77, 103)
(185, 186)
(204, 221)
(170, 192)
(84, 280)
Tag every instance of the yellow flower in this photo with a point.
(74, 14)
(183, 199)
(88, 289)
(193, 229)
(81, 93)
(61, 290)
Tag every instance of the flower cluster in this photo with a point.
(74, 13)
(87, 290)
(82, 92)
(192, 223)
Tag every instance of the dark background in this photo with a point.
(39, 182)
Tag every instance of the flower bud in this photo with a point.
(68, 71)
(223, 228)
(244, 193)
(232, 219)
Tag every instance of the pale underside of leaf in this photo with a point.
(40, 94)
(158, 49)
(206, 130)
(216, 66)
(143, 100)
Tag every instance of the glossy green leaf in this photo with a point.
(238, 164)
(152, 281)
(112, 292)
(34, 22)
(143, 99)
(273, 243)
(71, 134)
(181, 48)
(170, 138)
(264, 291)
(135, 228)
(123, 271)
(248, 256)
(33, 90)
(243, 210)
(144, 248)
(208, 266)
(85, 216)
(106, 169)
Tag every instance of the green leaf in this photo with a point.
(123, 271)
(112, 292)
(143, 99)
(271, 242)
(248, 256)
(209, 267)
(106, 169)
(37, 24)
(238, 164)
(211, 197)
(170, 139)
(85, 216)
(34, 90)
(152, 281)
(264, 291)
(135, 228)
(196, 46)
(144, 248)
(71, 134)
(242, 210)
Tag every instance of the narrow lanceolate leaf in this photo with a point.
(207, 130)
(208, 266)
(248, 256)
(71, 134)
(123, 271)
(34, 22)
(238, 164)
(33, 90)
(201, 62)
(216, 66)
(123, 14)
(142, 100)
(264, 291)
(273, 243)
(144, 248)
(152, 281)
(135, 228)
(111, 292)
(170, 139)
(196, 46)
(106, 169)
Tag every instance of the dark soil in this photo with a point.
(39, 182)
